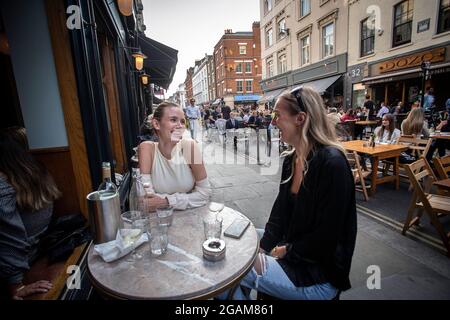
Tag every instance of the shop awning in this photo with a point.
(247, 97)
(161, 61)
(321, 85)
(270, 96)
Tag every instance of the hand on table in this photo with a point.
(153, 202)
(41, 286)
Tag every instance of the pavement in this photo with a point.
(386, 264)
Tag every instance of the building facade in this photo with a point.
(181, 96)
(237, 58)
(211, 70)
(188, 83)
(200, 82)
(392, 39)
(304, 42)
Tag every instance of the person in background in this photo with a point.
(415, 124)
(442, 145)
(307, 247)
(348, 116)
(27, 193)
(397, 109)
(226, 111)
(383, 110)
(428, 99)
(370, 107)
(387, 133)
(255, 119)
(333, 116)
(193, 114)
(172, 169)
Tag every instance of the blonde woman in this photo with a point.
(172, 168)
(415, 124)
(308, 242)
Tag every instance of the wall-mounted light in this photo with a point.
(144, 78)
(139, 59)
(125, 7)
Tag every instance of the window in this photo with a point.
(269, 68)
(268, 5)
(305, 7)
(328, 40)
(248, 67)
(282, 29)
(305, 43)
(282, 64)
(238, 67)
(403, 17)
(444, 16)
(269, 37)
(239, 84)
(367, 36)
(249, 85)
(242, 49)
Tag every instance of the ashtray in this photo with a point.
(214, 249)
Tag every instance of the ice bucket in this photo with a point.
(104, 216)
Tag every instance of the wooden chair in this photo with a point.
(359, 175)
(442, 166)
(422, 177)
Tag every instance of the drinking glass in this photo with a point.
(165, 215)
(134, 223)
(216, 201)
(159, 240)
(212, 225)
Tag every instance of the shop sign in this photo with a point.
(414, 60)
(356, 73)
(423, 25)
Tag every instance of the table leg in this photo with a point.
(396, 173)
(373, 187)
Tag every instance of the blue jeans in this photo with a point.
(274, 281)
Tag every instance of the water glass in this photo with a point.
(159, 240)
(212, 227)
(166, 216)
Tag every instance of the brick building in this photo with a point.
(237, 58)
(188, 83)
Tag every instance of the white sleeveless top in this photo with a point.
(174, 175)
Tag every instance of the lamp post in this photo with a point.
(425, 66)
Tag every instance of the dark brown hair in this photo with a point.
(391, 129)
(34, 186)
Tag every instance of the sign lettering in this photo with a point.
(414, 60)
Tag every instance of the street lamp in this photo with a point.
(144, 78)
(139, 59)
(425, 66)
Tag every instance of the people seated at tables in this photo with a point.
(254, 120)
(383, 110)
(396, 110)
(348, 116)
(27, 193)
(387, 133)
(415, 124)
(232, 123)
(308, 242)
(442, 145)
(172, 169)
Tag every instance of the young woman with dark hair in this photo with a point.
(27, 192)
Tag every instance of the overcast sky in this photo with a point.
(193, 27)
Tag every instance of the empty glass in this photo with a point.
(165, 215)
(159, 240)
(133, 225)
(212, 225)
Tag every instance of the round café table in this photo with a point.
(181, 273)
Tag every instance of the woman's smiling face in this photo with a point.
(286, 122)
(172, 125)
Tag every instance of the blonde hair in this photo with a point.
(413, 124)
(317, 129)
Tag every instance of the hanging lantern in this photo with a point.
(139, 59)
(125, 7)
(144, 79)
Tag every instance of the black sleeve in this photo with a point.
(273, 233)
(335, 191)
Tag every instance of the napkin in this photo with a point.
(121, 246)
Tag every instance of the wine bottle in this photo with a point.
(107, 188)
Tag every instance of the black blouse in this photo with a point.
(318, 223)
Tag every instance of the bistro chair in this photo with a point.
(422, 177)
(442, 166)
(359, 175)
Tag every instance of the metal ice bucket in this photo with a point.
(104, 216)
